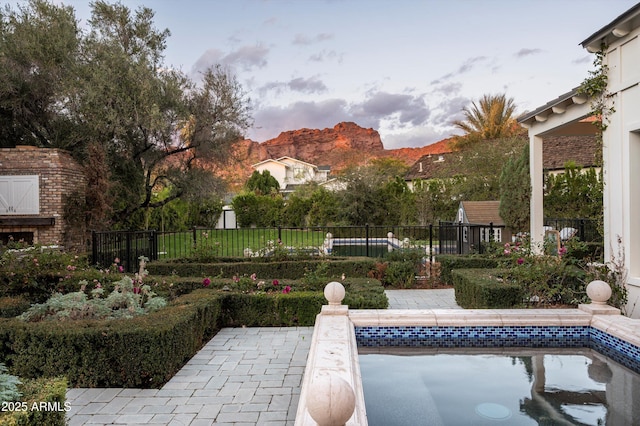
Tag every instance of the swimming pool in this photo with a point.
(418, 386)
(334, 347)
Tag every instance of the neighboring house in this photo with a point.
(483, 213)
(564, 116)
(428, 167)
(290, 172)
(580, 149)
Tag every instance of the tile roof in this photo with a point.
(557, 150)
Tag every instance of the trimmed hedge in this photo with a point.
(49, 392)
(294, 269)
(449, 262)
(146, 351)
(476, 288)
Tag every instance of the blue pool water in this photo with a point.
(516, 386)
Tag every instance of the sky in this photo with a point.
(405, 68)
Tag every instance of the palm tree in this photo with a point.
(491, 118)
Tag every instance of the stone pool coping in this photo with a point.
(334, 350)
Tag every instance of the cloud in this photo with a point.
(416, 137)
(326, 55)
(246, 58)
(466, 67)
(587, 59)
(470, 63)
(270, 121)
(526, 52)
(383, 105)
(305, 40)
(302, 85)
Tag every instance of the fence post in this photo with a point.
(127, 250)
(279, 234)
(153, 245)
(460, 237)
(431, 242)
(94, 247)
(366, 227)
(195, 235)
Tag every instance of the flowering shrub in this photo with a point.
(129, 298)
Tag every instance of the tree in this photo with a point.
(490, 118)
(110, 86)
(576, 193)
(515, 192)
(39, 47)
(262, 183)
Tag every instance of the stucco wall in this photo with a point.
(60, 176)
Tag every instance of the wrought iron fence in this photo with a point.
(343, 241)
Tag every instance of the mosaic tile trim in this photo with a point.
(617, 349)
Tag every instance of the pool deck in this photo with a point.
(243, 376)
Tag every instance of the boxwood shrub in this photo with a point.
(295, 269)
(482, 288)
(146, 351)
(49, 391)
(450, 262)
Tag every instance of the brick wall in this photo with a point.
(59, 177)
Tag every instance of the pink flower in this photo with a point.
(507, 252)
(286, 290)
(116, 260)
(520, 261)
(254, 277)
(276, 282)
(120, 268)
(236, 279)
(206, 282)
(562, 251)
(136, 290)
(71, 268)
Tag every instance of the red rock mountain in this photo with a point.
(343, 145)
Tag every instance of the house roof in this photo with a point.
(482, 212)
(428, 166)
(617, 28)
(295, 160)
(270, 160)
(558, 150)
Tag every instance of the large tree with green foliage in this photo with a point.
(65, 87)
(515, 192)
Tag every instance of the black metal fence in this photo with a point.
(583, 229)
(370, 241)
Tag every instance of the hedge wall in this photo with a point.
(146, 351)
(296, 269)
(142, 352)
(475, 288)
(450, 262)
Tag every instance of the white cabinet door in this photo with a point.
(19, 195)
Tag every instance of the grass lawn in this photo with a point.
(233, 242)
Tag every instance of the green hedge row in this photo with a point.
(42, 404)
(296, 269)
(146, 351)
(476, 288)
(449, 262)
(142, 352)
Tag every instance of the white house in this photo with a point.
(290, 172)
(621, 145)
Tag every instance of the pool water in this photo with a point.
(413, 386)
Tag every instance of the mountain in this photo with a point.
(338, 147)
